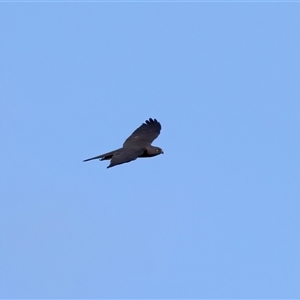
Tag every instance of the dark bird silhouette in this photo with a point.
(136, 145)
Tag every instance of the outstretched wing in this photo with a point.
(125, 156)
(144, 135)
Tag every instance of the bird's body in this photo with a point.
(138, 144)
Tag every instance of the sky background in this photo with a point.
(216, 216)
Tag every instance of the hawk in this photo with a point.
(138, 144)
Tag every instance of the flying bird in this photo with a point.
(138, 144)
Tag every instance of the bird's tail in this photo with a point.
(105, 156)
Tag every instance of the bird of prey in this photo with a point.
(136, 145)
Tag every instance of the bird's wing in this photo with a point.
(144, 135)
(125, 156)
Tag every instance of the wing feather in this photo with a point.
(124, 156)
(145, 134)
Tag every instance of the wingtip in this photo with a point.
(151, 121)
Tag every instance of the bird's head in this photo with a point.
(153, 151)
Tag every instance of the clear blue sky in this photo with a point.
(216, 216)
